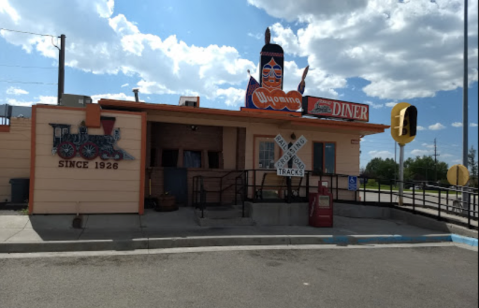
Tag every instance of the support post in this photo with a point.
(401, 174)
(61, 68)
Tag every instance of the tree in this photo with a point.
(423, 169)
(384, 170)
(472, 164)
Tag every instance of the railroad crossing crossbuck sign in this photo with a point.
(290, 153)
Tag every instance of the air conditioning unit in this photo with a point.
(71, 100)
(190, 101)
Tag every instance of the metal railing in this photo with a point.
(200, 193)
(434, 201)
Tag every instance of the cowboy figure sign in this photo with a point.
(268, 94)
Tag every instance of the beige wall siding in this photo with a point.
(347, 154)
(14, 154)
(67, 190)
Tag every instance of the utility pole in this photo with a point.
(61, 68)
(435, 161)
(464, 106)
(395, 160)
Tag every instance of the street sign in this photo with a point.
(290, 172)
(291, 152)
(458, 175)
(352, 182)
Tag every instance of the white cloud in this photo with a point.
(7, 9)
(404, 49)
(125, 85)
(473, 124)
(418, 152)
(457, 124)
(304, 10)
(163, 65)
(16, 91)
(420, 128)
(437, 126)
(46, 100)
(375, 106)
(381, 154)
(231, 96)
(257, 36)
(446, 155)
(457, 161)
(317, 81)
(287, 39)
(390, 104)
(427, 145)
(118, 96)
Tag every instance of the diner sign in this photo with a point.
(329, 108)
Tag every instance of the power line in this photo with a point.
(29, 82)
(20, 66)
(26, 32)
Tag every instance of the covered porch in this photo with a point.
(224, 154)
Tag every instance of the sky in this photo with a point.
(377, 52)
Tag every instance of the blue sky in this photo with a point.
(376, 52)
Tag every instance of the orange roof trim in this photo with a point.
(244, 115)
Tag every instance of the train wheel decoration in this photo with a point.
(68, 145)
(118, 155)
(89, 150)
(105, 155)
(66, 150)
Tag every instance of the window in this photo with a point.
(329, 157)
(266, 155)
(192, 159)
(169, 158)
(213, 160)
(58, 132)
(324, 157)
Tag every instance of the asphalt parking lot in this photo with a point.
(443, 276)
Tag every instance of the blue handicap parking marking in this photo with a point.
(352, 182)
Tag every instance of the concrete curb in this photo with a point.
(205, 241)
(464, 240)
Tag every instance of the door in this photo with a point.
(176, 183)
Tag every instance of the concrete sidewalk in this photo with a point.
(46, 233)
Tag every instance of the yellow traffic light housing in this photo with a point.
(403, 123)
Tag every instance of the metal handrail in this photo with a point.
(439, 202)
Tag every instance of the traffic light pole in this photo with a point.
(401, 174)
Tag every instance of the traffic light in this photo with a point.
(403, 123)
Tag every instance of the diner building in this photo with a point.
(108, 157)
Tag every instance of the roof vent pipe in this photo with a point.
(136, 90)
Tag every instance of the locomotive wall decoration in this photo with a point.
(68, 145)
